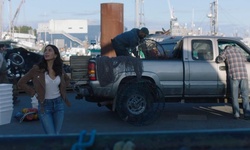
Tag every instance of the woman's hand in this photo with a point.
(68, 103)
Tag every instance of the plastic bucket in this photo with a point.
(6, 99)
(5, 103)
(6, 106)
(5, 116)
(6, 87)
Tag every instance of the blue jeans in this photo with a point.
(244, 91)
(52, 116)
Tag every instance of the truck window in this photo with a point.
(178, 50)
(222, 44)
(202, 50)
(168, 48)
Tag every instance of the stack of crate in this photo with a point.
(6, 103)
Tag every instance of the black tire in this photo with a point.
(109, 106)
(139, 102)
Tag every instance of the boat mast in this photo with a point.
(173, 19)
(214, 17)
(10, 15)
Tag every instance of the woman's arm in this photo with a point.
(66, 78)
(22, 83)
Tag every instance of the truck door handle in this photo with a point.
(222, 68)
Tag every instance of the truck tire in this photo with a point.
(109, 106)
(139, 102)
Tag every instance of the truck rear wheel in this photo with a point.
(139, 102)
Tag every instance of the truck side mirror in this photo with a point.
(218, 59)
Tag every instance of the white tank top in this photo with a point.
(51, 87)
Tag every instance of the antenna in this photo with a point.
(1, 18)
(139, 13)
(173, 19)
(170, 10)
(213, 15)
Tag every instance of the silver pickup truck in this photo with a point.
(169, 68)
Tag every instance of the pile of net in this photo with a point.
(110, 69)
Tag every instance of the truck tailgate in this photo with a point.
(79, 68)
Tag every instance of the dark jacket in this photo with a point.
(38, 78)
(129, 39)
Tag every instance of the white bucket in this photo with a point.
(34, 102)
(6, 99)
(34, 105)
(5, 116)
(5, 104)
(6, 87)
(6, 92)
(9, 106)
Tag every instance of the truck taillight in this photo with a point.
(91, 71)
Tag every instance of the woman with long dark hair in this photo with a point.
(49, 88)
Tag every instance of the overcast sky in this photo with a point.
(233, 14)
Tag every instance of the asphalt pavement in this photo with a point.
(83, 115)
(192, 125)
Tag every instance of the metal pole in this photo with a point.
(1, 18)
(45, 26)
(10, 15)
(45, 34)
(216, 17)
(137, 24)
(51, 32)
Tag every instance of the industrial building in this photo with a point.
(67, 33)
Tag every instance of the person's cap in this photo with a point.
(145, 30)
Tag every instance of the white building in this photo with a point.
(68, 26)
(63, 33)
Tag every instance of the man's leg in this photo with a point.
(234, 85)
(244, 95)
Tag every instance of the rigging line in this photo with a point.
(231, 18)
(203, 23)
(236, 24)
(24, 14)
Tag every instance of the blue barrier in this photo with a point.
(174, 140)
(81, 145)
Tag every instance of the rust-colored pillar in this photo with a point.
(111, 25)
